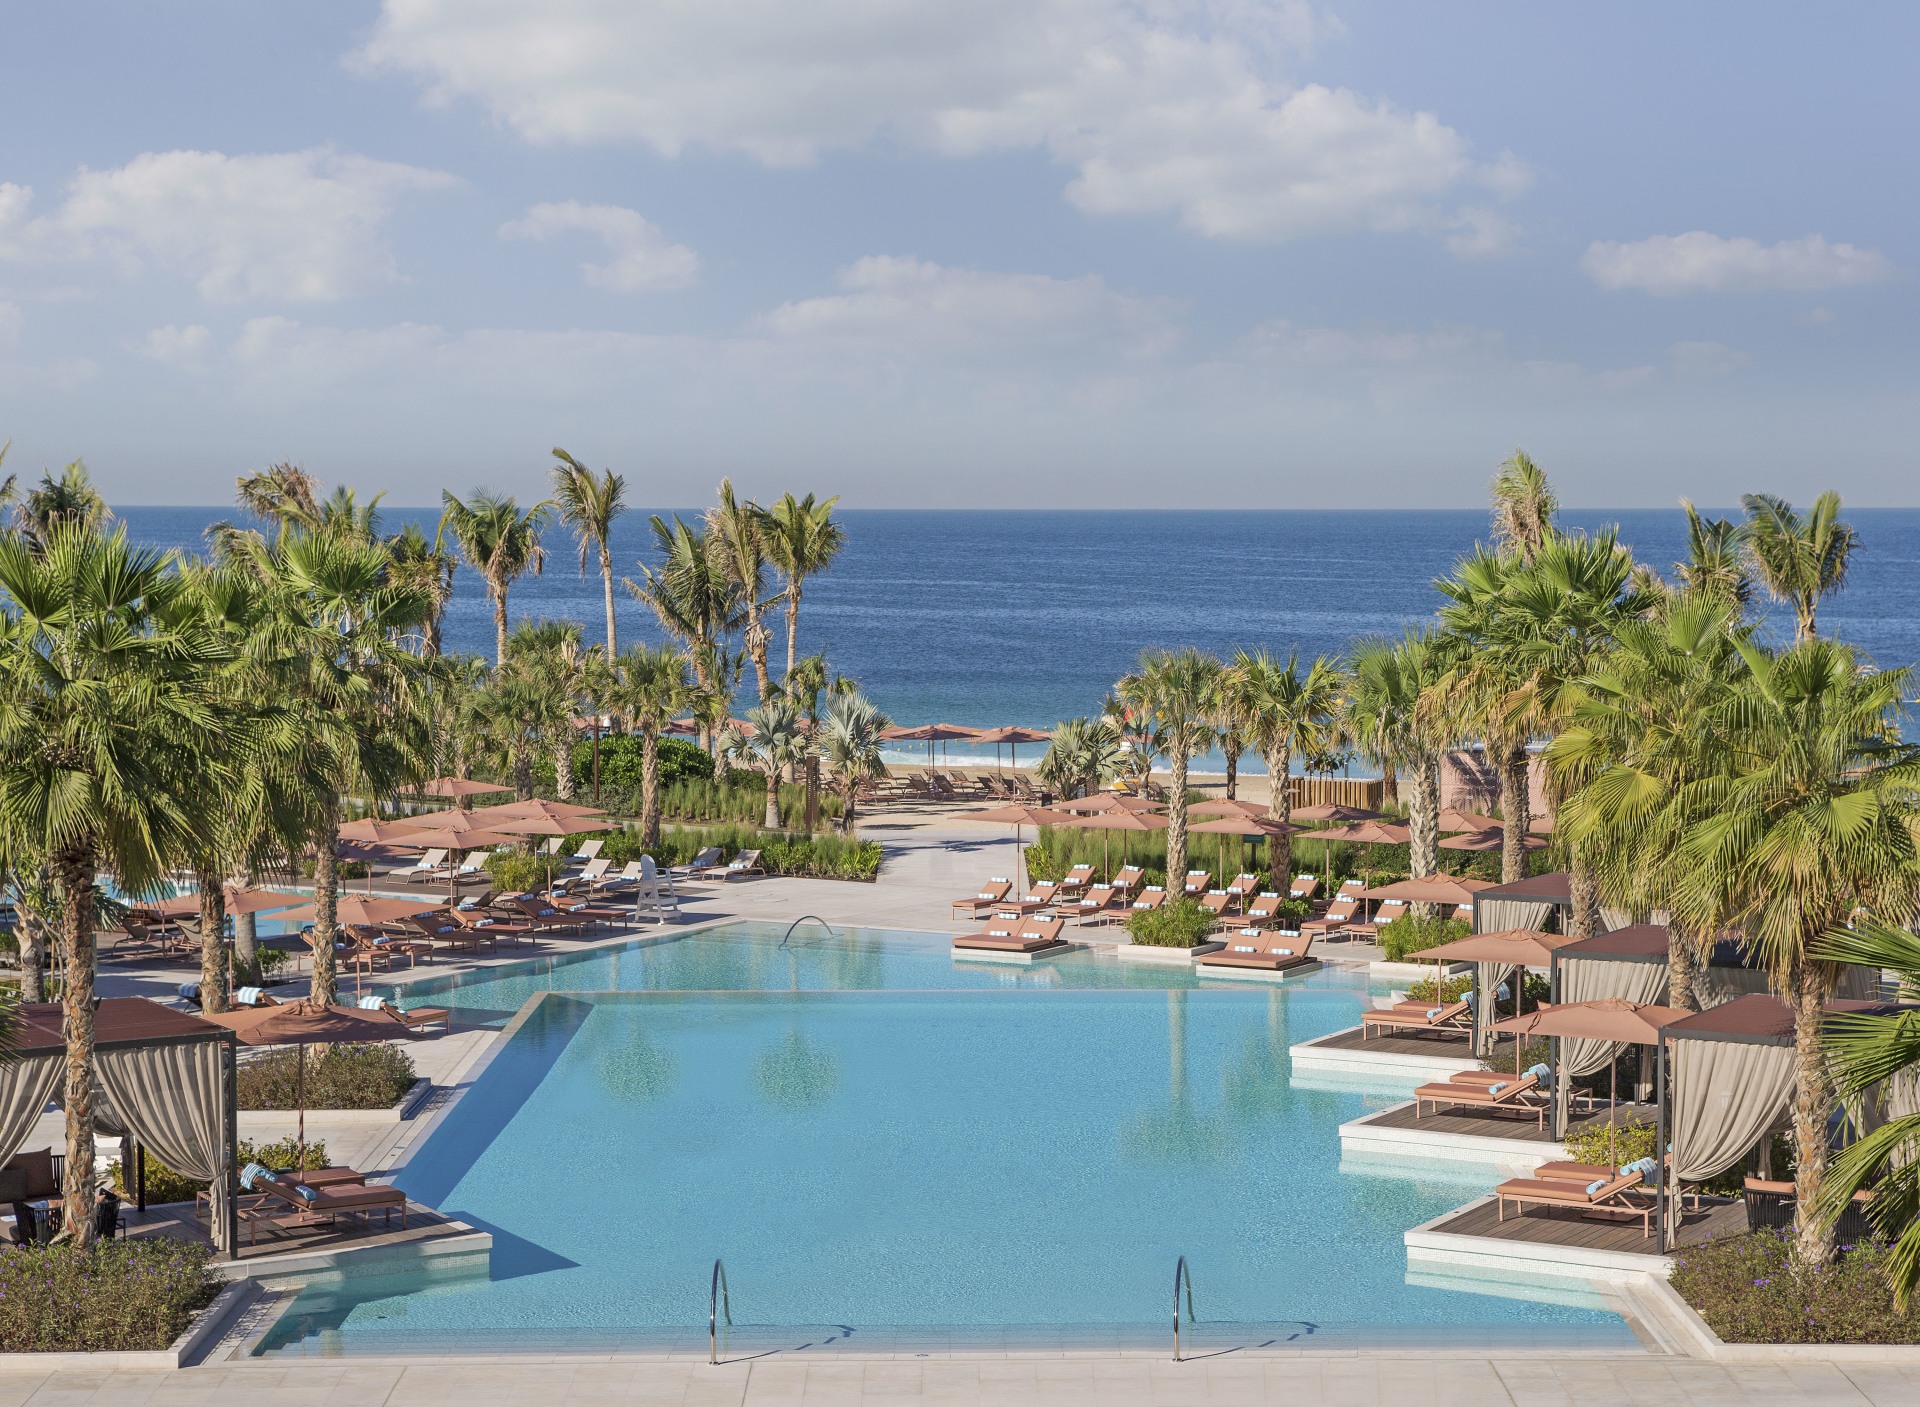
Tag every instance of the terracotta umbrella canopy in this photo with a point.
(931, 733)
(1433, 889)
(363, 910)
(1224, 807)
(305, 1023)
(1330, 811)
(532, 820)
(1522, 947)
(1137, 822)
(462, 842)
(1452, 821)
(460, 788)
(1108, 801)
(539, 806)
(1017, 816)
(238, 901)
(1609, 1019)
(375, 832)
(1493, 838)
(1233, 824)
(1012, 737)
(1367, 833)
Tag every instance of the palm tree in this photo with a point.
(71, 499)
(1877, 1054)
(107, 722)
(1083, 754)
(695, 603)
(1390, 717)
(1178, 689)
(801, 540)
(804, 683)
(850, 746)
(1799, 560)
(1523, 507)
(736, 536)
(775, 743)
(426, 567)
(1715, 569)
(650, 686)
(284, 494)
(588, 504)
(501, 542)
(1816, 824)
(1286, 712)
(547, 657)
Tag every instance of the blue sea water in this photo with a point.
(872, 1151)
(1009, 617)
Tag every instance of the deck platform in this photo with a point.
(351, 1247)
(1464, 1135)
(1560, 1242)
(1394, 1060)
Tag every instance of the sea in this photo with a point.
(991, 617)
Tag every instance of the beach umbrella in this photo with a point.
(454, 822)
(1609, 1019)
(1108, 801)
(539, 806)
(1541, 825)
(459, 843)
(1226, 825)
(1489, 840)
(362, 910)
(301, 1024)
(238, 901)
(1012, 737)
(1367, 833)
(1118, 820)
(403, 833)
(1224, 807)
(1017, 816)
(930, 733)
(1452, 820)
(534, 821)
(1331, 811)
(1517, 947)
(1431, 889)
(460, 788)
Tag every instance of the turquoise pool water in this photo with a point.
(998, 1149)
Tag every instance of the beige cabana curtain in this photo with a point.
(1726, 1094)
(27, 1084)
(1593, 979)
(1615, 918)
(1499, 915)
(172, 1098)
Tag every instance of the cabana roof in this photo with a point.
(1647, 942)
(117, 1022)
(1553, 888)
(1756, 1019)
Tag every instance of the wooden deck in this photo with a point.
(1437, 1044)
(1566, 1226)
(1485, 1123)
(176, 1221)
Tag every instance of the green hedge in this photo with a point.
(782, 853)
(123, 1296)
(1184, 923)
(164, 1185)
(1411, 935)
(1748, 1290)
(373, 1076)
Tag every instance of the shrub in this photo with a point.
(1748, 1291)
(259, 971)
(163, 1184)
(1184, 923)
(120, 1296)
(1451, 990)
(1634, 1140)
(372, 1076)
(515, 869)
(1411, 935)
(814, 857)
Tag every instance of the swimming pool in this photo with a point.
(875, 1137)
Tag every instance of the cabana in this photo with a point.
(1526, 903)
(165, 1082)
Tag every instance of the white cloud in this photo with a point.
(1479, 233)
(299, 226)
(641, 260)
(1698, 262)
(1158, 106)
(9, 324)
(1706, 358)
(893, 304)
(1455, 348)
(176, 346)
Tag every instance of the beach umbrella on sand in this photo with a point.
(1489, 840)
(1609, 1019)
(1224, 826)
(931, 733)
(1012, 737)
(1119, 820)
(301, 1024)
(1018, 816)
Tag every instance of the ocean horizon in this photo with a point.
(986, 617)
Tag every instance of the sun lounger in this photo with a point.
(584, 881)
(1339, 913)
(705, 860)
(284, 1204)
(990, 894)
(431, 865)
(1152, 897)
(588, 852)
(1366, 932)
(1263, 910)
(1196, 883)
(1304, 887)
(1243, 888)
(1077, 878)
(1418, 1016)
(1615, 1196)
(617, 883)
(739, 867)
(1041, 896)
(1504, 1097)
(1097, 905)
(545, 918)
(253, 997)
(1259, 950)
(1216, 902)
(472, 926)
(1033, 936)
(1128, 880)
(419, 1016)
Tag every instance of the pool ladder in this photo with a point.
(718, 1304)
(802, 919)
(1182, 1278)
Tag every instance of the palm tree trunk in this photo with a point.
(564, 782)
(73, 874)
(1584, 889)
(1680, 962)
(606, 583)
(433, 630)
(498, 590)
(649, 786)
(848, 789)
(33, 954)
(1423, 827)
(772, 821)
(1389, 782)
(213, 949)
(522, 772)
(1177, 823)
(1280, 808)
(793, 623)
(1810, 985)
(813, 794)
(326, 901)
(1232, 750)
(1514, 818)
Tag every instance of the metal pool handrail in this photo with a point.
(802, 919)
(1181, 1276)
(718, 1303)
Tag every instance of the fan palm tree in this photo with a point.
(548, 657)
(775, 743)
(70, 499)
(1523, 507)
(695, 603)
(501, 542)
(1798, 560)
(1817, 823)
(1083, 754)
(1288, 712)
(284, 494)
(804, 683)
(1179, 690)
(109, 728)
(588, 504)
(1390, 719)
(850, 744)
(1715, 569)
(650, 686)
(736, 536)
(800, 540)
(426, 567)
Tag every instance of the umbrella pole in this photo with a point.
(300, 1085)
(1613, 1121)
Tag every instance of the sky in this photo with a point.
(943, 253)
